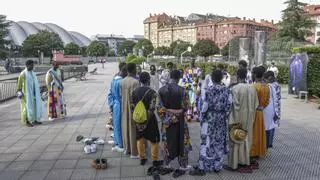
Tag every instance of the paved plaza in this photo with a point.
(50, 151)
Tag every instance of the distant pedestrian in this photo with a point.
(165, 75)
(154, 78)
(102, 62)
(244, 64)
(214, 129)
(56, 103)
(29, 93)
(272, 112)
(274, 69)
(128, 85)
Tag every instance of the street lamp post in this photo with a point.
(181, 56)
(39, 55)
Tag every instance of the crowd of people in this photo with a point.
(237, 119)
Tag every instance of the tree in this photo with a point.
(180, 48)
(44, 41)
(4, 24)
(83, 51)
(96, 49)
(205, 48)
(126, 48)
(162, 50)
(145, 45)
(71, 49)
(296, 23)
(174, 44)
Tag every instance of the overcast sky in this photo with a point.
(125, 17)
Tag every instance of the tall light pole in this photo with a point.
(181, 56)
(39, 55)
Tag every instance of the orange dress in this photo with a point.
(259, 140)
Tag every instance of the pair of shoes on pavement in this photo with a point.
(99, 163)
(90, 148)
(31, 124)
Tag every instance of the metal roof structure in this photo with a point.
(19, 31)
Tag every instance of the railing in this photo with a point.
(8, 86)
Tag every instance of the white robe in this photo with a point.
(269, 111)
(245, 103)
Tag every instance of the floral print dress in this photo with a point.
(214, 130)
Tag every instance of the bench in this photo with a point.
(305, 94)
(94, 71)
(81, 77)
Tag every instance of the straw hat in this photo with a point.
(237, 134)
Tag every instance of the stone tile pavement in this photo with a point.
(50, 151)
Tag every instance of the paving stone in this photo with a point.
(55, 148)
(83, 174)
(19, 166)
(61, 174)
(42, 165)
(8, 157)
(3, 165)
(28, 156)
(129, 171)
(85, 163)
(71, 155)
(113, 172)
(65, 164)
(10, 175)
(33, 175)
(50, 156)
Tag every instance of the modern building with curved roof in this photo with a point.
(19, 31)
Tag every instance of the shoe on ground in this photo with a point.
(177, 173)
(112, 135)
(51, 119)
(143, 161)
(87, 149)
(28, 124)
(96, 163)
(38, 122)
(111, 142)
(93, 148)
(134, 157)
(103, 163)
(117, 149)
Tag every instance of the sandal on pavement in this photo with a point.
(104, 164)
(96, 164)
(245, 169)
(164, 170)
(177, 173)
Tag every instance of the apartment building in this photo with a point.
(314, 11)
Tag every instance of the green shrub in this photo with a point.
(135, 59)
(283, 75)
(313, 74)
(307, 49)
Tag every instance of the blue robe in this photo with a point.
(114, 101)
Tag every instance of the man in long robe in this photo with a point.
(29, 93)
(245, 103)
(127, 86)
(56, 104)
(272, 112)
(114, 101)
(259, 142)
(173, 104)
(154, 78)
(244, 64)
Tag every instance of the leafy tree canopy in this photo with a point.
(162, 50)
(146, 45)
(180, 47)
(72, 49)
(4, 24)
(44, 41)
(126, 48)
(96, 49)
(205, 48)
(296, 23)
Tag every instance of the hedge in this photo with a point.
(135, 59)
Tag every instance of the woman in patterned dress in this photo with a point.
(214, 131)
